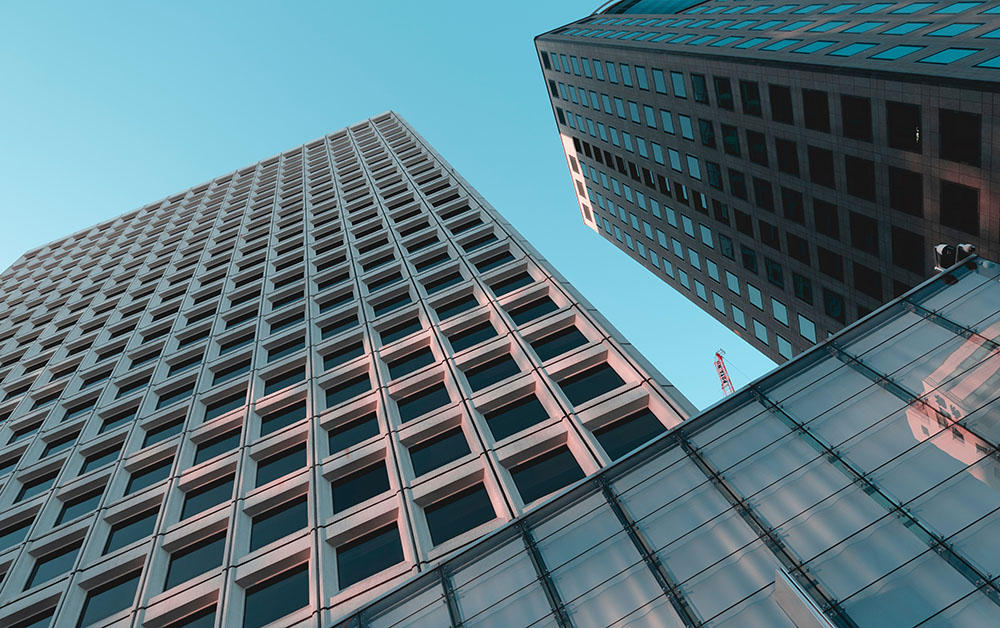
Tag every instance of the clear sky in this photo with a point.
(107, 106)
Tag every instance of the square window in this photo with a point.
(515, 417)
(830, 264)
(130, 530)
(109, 598)
(347, 390)
(438, 451)
(491, 372)
(274, 421)
(546, 474)
(624, 435)
(207, 496)
(53, 564)
(276, 597)
(459, 513)
(903, 129)
(864, 233)
(223, 443)
(368, 555)
(423, 401)
(860, 177)
(960, 136)
(359, 486)
(559, 343)
(80, 505)
(591, 383)
(196, 559)
(353, 432)
(473, 335)
(278, 522)
(281, 464)
(148, 476)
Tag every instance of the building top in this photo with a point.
(947, 40)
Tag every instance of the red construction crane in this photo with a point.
(720, 368)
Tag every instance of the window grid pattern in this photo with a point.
(151, 366)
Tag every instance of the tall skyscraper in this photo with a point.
(858, 486)
(787, 166)
(274, 395)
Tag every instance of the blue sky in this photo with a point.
(111, 105)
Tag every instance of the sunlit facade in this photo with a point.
(266, 399)
(857, 485)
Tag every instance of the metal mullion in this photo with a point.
(454, 614)
(544, 577)
(892, 506)
(765, 532)
(943, 321)
(660, 574)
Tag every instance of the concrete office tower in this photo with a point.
(271, 396)
(825, 494)
(787, 166)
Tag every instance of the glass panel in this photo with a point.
(368, 555)
(759, 609)
(277, 597)
(910, 594)
(131, 530)
(281, 464)
(359, 486)
(278, 522)
(742, 572)
(500, 589)
(350, 434)
(438, 451)
(595, 566)
(626, 434)
(108, 599)
(546, 474)
(794, 493)
(195, 560)
(459, 513)
(428, 608)
(865, 557)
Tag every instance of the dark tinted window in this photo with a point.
(195, 559)
(163, 432)
(354, 432)
(864, 233)
(344, 355)
(868, 281)
(515, 417)
(284, 417)
(202, 619)
(510, 284)
(906, 191)
(100, 458)
(422, 402)
(816, 110)
(961, 136)
(108, 599)
(207, 496)
(860, 177)
(53, 565)
(781, 104)
(821, 166)
(368, 555)
(278, 522)
(591, 383)
(14, 533)
(960, 207)
(401, 330)
(410, 362)
(80, 505)
(219, 445)
(750, 96)
(359, 486)
(491, 372)
(723, 93)
(224, 405)
(827, 221)
(908, 250)
(833, 305)
(391, 304)
(788, 157)
(533, 310)
(830, 263)
(272, 599)
(856, 116)
(459, 513)
(626, 434)
(288, 348)
(472, 336)
(150, 475)
(545, 474)
(281, 464)
(131, 530)
(438, 451)
(348, 390)
(451, 308)
(903, 126)
(284, 380)
(558, 343)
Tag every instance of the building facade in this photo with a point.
(858, 485)
(268, 398)
(787, 166)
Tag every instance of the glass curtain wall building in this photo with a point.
(266, 399)
(857, 485)
(787, 166)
